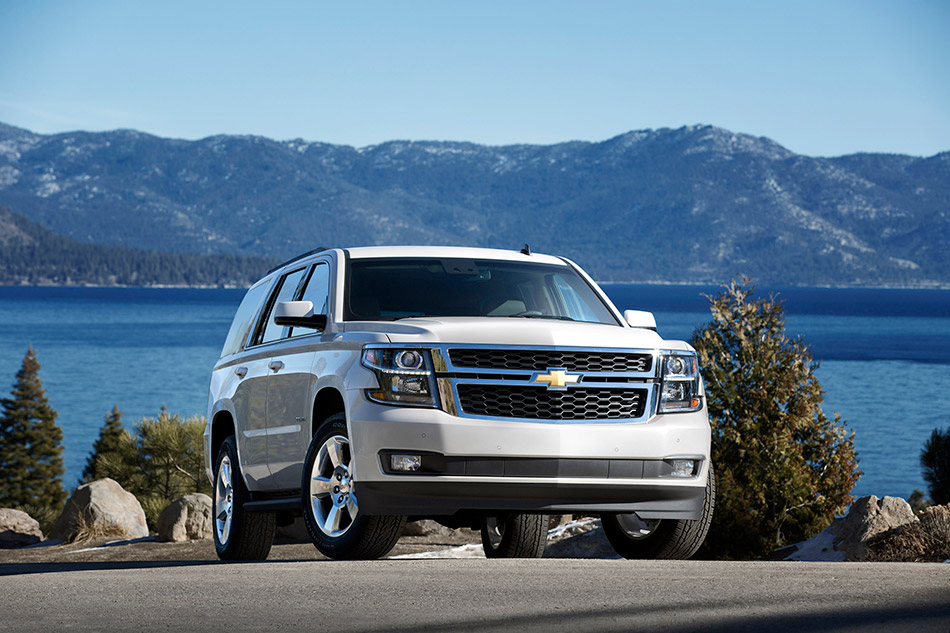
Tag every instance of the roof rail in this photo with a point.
(301, 256)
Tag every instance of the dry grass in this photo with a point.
(83, 531)
(926, 541)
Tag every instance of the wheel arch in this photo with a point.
(222, 427)
(327, 402)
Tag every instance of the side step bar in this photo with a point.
(273, 505)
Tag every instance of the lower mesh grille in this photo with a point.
(543, 404)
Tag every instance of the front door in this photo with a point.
(289, 397)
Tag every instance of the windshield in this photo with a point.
(389, 289)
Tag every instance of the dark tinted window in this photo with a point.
(317, 292)
(380, 289)
(286, 291)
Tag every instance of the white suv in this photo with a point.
(366, 387)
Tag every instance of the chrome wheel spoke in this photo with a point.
(351, 507)
(332, 523)
(321, 486)
(221, 509)
(334, 451)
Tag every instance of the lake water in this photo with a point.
(885, 357)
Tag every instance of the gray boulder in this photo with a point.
(18, 529)
(868, 517)
(187, 518)
(98, 509)
(847, 538)
(426, 527)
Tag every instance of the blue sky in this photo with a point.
(822, 78)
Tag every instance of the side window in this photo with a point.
(244, 320)
(318, 293)
(285, 292)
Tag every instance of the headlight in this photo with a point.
(404, 376)
(679, 387)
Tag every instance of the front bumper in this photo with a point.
(527, 466)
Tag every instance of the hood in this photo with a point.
(511, 331)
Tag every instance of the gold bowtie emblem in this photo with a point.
(557, 379)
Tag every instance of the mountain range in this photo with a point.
(695, 204)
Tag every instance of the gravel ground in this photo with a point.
(152, 549)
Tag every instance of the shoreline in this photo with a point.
(680, 284)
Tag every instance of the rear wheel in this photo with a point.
(634, 537)
(330, 507)
(238, 535)
(514, 535)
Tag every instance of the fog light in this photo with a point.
(683, 467)
(405, 463)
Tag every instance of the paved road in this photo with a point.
(474, 595)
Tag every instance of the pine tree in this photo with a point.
(31, 451)
(109, 443)
(158, 461)
(935, 464)
(784, 468)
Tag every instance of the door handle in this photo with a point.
(241, 372)
(276, 365)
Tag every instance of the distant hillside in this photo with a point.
(695, 204)
(30, 254)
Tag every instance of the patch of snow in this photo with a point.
(47, 190)
(462, 551)
(905, 263)
(573, 528)
(8, 176)
(144, 539)
(819, 548)
(10, 150)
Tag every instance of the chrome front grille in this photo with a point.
(540, 360)
(512, 383)
(502, 401)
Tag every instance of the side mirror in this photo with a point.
(299, 314)
(640, 319)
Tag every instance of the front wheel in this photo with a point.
(514, 535)
(633, 537)
(330, 508)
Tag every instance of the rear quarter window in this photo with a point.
(244, 319)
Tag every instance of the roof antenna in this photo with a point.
(526, 250)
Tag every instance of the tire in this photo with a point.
(514, 535)
(674, 539)
(238, 535)
(330, 507)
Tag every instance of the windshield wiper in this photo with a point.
(540, 316)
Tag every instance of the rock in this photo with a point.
(579, 539)
(426, 527)
(847, 538)
(187, 518)
(18, 529)
(868, 517)
(99, 509)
